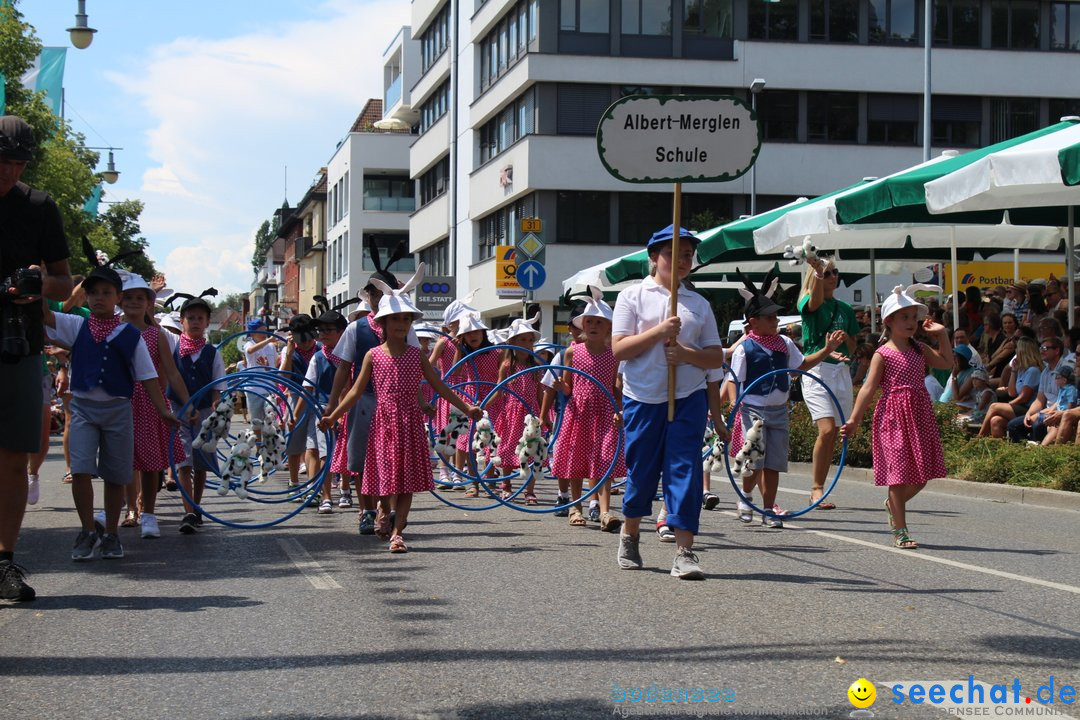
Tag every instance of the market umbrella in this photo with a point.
(1042, 171)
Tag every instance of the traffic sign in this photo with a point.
(531, 275)
(531, 245)
(531, 225)
(506, 282)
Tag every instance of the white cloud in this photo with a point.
(225, 116)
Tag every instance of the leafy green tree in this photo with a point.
(264, 238)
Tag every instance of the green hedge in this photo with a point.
(966, 457)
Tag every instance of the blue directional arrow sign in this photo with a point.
(531, 275)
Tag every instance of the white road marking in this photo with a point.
(922, 554)
(312, 570)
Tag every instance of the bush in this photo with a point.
(975, 459)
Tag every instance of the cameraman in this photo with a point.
(33, 262)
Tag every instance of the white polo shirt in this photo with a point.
(642, 307)
(67, 329)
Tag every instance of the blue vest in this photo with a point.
(104, 364)
(760, 361)
(324, 374)
(366, 339)
(300, 365)
(197, 375)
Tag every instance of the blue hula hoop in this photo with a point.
(731, 422)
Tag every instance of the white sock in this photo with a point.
(594, 503)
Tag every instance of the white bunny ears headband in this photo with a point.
(901, 298)
(396, 301)
(594, 307)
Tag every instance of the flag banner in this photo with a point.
(47, 75)
(90, 207)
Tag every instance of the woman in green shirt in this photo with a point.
(821, 315)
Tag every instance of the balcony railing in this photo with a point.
(390, 204)
(392, 94)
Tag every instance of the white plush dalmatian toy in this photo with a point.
(713, 451)
(485, 439)
(215, 426)
(272, 449)
(532, 448)
(798, 254)
(456, 426)
(239, 468)
(753, 449)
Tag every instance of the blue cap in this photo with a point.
(255, 324)
(662, 236)
(963, 351)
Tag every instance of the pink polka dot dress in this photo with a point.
(588, 437)
(443, 363)
(339, 458)
(906, 442)
(152, 437)
(482, 367)
(398, 459)
(511, 421)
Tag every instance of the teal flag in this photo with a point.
(90, 207)
(3, 94)
(47, 75)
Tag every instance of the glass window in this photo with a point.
(434, 182)
(1064, 26)
(1060, 108)
(834, 20)
(832, 117)
(437, 259)
(1014, 24)
(640, 214)
(434, 40)
(587, 16)
(778, 112)
(892, 119)
(774, 20)
(956, 23)
(582, 217)
(646, 17)
(708, 18)
(1010, 117)
(514, 122)
(892, 21)
(957, 120)
(387, 244)
(509, 40)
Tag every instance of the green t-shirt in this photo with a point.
(831, 315)
(57, 306)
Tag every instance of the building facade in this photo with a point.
(510, 114)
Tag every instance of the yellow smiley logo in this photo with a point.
(862, 693)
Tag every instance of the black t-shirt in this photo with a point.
(31, 233)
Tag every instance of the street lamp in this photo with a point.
(82, 34)
(756, 87)
(110, 174)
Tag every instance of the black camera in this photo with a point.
(23, 283)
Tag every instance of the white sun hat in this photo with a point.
(521, 326)
(594, 307)
(425, 329)
(134, 281)
(470, 321)
(901, 298)
(170, 321)
(394, 302)
(454, 310)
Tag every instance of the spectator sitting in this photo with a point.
(958, 388)
(1000, 329)
(1016, 300)
(1042, 414)
(972, 308)
(1021, 391)
(960, 337)
(1066, 399)
(983, 394)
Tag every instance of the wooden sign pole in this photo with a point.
(673, 306)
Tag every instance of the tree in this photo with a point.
(264, 238)
(61, 165)
(233, 301)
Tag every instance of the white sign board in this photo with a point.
(678, 138)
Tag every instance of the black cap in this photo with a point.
(103, 274)
(16, 138)
(761, 305)
(302, 327)
(332, 317)
(195, 302)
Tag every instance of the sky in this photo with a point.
(223, 109)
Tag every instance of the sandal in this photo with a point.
(576, 518)
(824, 504)
(66, 479)
(888, 509)
(530, 499)
(474, 491)
(609, 523)
(397, 545)
(903, 541)
(383, 526)
(507, 490)
(129, 520)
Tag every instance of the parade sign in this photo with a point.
(678, 138)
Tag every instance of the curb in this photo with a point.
(992, 492)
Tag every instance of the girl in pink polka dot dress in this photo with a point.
(906, 441)
(479, 372)
(590, 432)
(152, 437)
(523, 399)
(398, 461)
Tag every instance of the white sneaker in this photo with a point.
(33, 490)
(150, 526)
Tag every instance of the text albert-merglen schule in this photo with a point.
(684, 121)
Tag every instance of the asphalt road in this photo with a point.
(504, 615)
